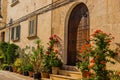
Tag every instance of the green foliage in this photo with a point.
(25, 59)
(11, 53)
(36, 56)
(18, 62)
(54, 61)
(52, 55)
(30, 67)
(3, 50)
(3, 46)
(96, 55)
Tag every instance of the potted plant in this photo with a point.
(45, 70)
(30, 69)
(17, 64)
(46, 67)
(95, 56)
(36, 59)
(53, 55)
(25, 60)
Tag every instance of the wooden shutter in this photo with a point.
(18, 32)
(12, 33)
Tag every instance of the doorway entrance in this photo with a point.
(78, 32)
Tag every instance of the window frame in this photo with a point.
(14, 2)
(15, 33)
(32, 34)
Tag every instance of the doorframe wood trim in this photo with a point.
(66, 29)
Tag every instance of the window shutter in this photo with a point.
(12, 33)
(18, 32)
(32, 27)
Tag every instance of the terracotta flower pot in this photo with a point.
(45, 75)
(55, 70)
(37, 76)
(30, 73)
(14, 69)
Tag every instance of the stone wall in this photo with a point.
(24, 7)
(104, 15)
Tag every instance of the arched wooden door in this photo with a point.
(78, 32)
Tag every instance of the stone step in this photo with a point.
(45, 79)
(74, 74)
(61, 77)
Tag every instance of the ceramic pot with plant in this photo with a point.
(53, 55)
(25, 60)
(30, 69)
(36, 59)
(96, 55)
(17, 64)
(45, 70)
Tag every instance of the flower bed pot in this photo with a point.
(37, 75)
(44, 75)
(30, 73)
(10, 69)
(14, 69)
(25, 74)
(55, 70)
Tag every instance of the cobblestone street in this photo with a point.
(6, 75)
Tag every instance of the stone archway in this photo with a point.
(78, 32)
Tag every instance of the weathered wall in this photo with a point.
(104, 15)
(24, 7)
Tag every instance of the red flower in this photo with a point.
(56, 51)
(102, 62)
(91, 65)
(92, 61)
(97, 56)
(48, 52)
(56, 40)
(88, 74)
(51, 38)
(54, 36)
(97, 31)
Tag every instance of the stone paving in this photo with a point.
(6, 75)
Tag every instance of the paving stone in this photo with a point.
(6, 75)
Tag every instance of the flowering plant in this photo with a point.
(52, 54)
(96, 55)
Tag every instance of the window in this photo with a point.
(32, 27)
(14, 2)
(2, 36)
(15, 33)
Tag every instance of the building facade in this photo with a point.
(72, 20)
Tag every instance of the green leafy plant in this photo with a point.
(30, 67)
(25, 59)
(11, 53)
(18, 62)
(96, 55)
(37, 56)
(52, 54)
(3, 52)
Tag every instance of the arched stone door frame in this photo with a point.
(66, 30)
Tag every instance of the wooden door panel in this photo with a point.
(78, 32)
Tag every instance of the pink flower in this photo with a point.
(56, 51)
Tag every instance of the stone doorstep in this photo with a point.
(61, 77)
(45, 79)
(70, 73)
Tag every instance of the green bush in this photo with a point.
(3, 50)
(30, 67)
(11, 53)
